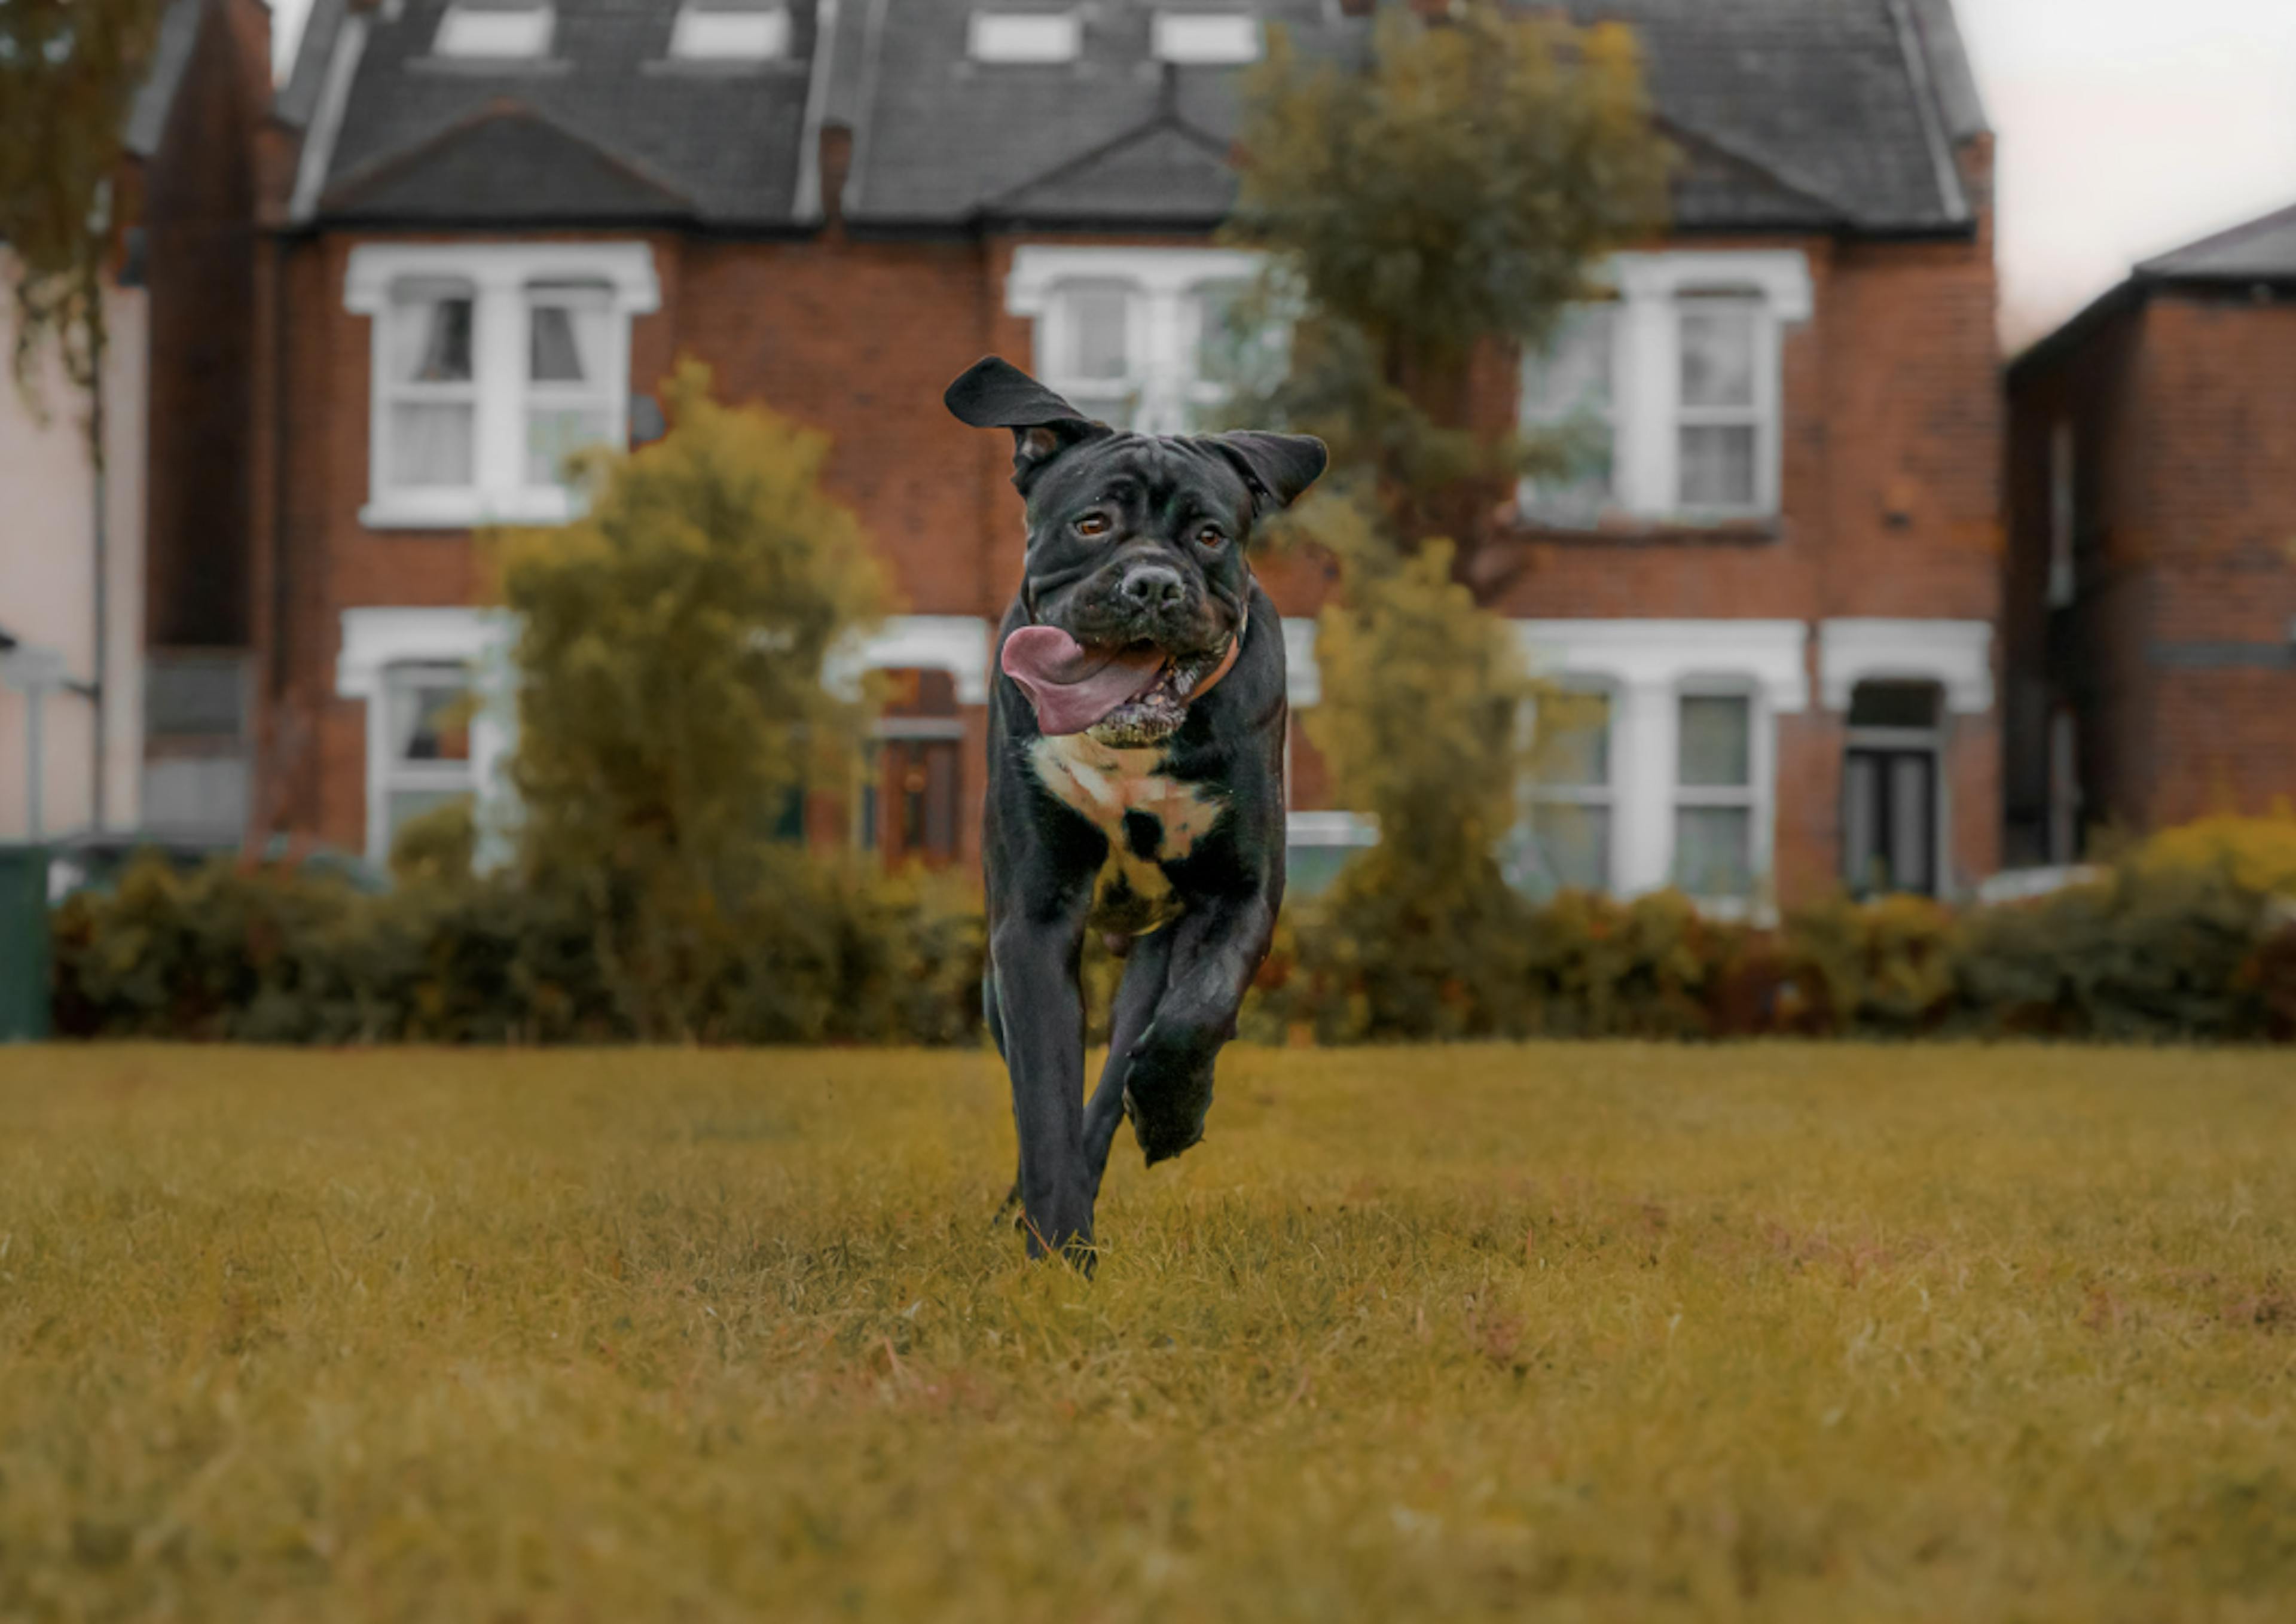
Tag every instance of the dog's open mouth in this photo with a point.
(1133, 694)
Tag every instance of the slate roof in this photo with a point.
(2261, 250)
(1803, 114)
(604, 129)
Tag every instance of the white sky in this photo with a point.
(2125, 127)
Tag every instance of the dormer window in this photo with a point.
(1025, 37)
(729, 31)
(1207, 39)
(495, 30)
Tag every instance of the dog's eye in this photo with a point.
(1094, 524)
(1209, 536)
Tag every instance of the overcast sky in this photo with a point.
(2125, 127)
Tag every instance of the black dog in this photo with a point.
(1136, 774)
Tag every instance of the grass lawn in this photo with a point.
(1601, 1332)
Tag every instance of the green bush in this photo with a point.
(2177, 942)
(818, 953)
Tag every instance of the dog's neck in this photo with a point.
(1228, 659)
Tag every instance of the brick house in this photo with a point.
(497, 221)
(128, 650)
(2149, 623)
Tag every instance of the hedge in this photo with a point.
(2191, 937)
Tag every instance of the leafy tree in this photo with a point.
(672, 651)
(1424, 216)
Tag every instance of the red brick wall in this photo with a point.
(198, 216)
(1890, 493)
(2176, 651)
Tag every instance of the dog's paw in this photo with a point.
(1168, 1089)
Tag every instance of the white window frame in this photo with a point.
(1649, 665)
(501, 274)
(394, 773)
(1647, 410)
(1759, 414)
(1605, 796)
(1003, 38)
(1756, 796)
(1163, 318)
(379, 642)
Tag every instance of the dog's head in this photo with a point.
(1137, 580)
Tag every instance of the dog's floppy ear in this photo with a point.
(1277, 467)
(993, 393)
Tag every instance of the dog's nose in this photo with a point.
(1154, 586)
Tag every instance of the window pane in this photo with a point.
(1096, 317)
(551, 356)
(1717, 743)
(1570, 848)
(430, 335)
(1566, 391)
(1573, 746)
(1717, 464)
(427, 719)
(1717, 354)
(1910, 833)
(1571, 374)
(555, 434)
(1861, 824)
(1713, 850)
(428, 446)
(566, 334)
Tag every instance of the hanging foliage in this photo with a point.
(69, 74)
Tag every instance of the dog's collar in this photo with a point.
(1227, 660)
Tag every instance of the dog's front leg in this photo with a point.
(1043, 1011)
(1214, 954)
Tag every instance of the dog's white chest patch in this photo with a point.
(1149, 818)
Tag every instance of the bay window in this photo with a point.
(493, 366)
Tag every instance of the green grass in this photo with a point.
(1604, 1332)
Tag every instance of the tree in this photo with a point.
(672, 652)
(68, 72)
(1424, 217)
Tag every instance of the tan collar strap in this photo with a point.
(1227, 660)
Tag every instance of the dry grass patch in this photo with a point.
(1600, 1331)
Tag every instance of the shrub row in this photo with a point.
(820, 954)
(2190, 938)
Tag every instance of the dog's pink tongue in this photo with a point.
(1073, 686)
